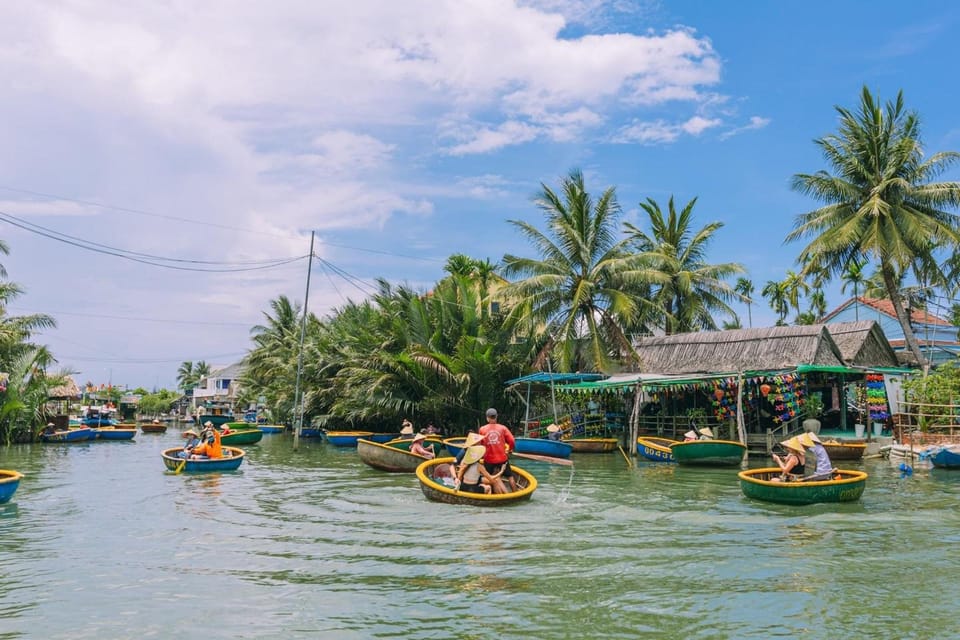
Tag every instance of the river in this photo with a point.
(100, 542)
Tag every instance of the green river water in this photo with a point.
(99, 542)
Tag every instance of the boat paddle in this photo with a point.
(551, 459)
(183, 463)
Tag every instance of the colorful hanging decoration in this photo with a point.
(877, 397)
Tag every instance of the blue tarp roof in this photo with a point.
(542, 377)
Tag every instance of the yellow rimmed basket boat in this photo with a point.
(439, 492)
(845, 486)
(593, 445)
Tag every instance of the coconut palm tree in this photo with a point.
(779, 300)
(744, 286)
(690, 289)
(854, 276)
(880, 203)
(185, 377)
(577, 292)
(794, 287)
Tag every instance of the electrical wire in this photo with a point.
(140, 257)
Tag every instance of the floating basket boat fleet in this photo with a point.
(391, 453)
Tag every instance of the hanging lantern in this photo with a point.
(718, 394)
(764, 389)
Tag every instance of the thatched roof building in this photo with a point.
(863, 344)
(65, 392)
(858, 344)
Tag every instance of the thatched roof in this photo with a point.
(863, 344)
(65, 392)
(765, 349)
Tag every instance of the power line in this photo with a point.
(140, 257)
(112, 317)
(258, 232)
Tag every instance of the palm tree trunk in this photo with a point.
(897, 303)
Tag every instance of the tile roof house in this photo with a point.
(938, 338)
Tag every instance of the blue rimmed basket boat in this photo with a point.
(116, 433)
(760, 484)
(9, 481)
(454, 445)
(83, 434)
(656, 449)
(228, 463)
(944, 457)
(346, 438)
(543, 447)
(271, 428)
(439, 492)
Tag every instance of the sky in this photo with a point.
(206, 140)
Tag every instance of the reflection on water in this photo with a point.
(99, 542)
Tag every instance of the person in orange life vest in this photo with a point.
(499, 441)
(417, 447)
(210, 447)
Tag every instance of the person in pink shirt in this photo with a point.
(499, 441)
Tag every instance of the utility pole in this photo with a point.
(298, 404)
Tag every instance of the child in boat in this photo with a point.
(417, 447)
(824, 470)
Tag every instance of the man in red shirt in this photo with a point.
(497, 440)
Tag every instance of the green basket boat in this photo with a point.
(759, 484)
(715, 453)
(387, 458)
(243, 435)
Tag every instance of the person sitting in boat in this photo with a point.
(706, 433)
(824, 470)
(431, 430)
(690, 436)
(554, 432)
(793, 461)
(50, 429)
(193, 439)
(472, 475)
(407, 431)
(210, 446)
(417, 447)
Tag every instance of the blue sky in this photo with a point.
(403, 133)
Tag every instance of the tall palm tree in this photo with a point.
(744, 286)
(690, 289)
(880, 203)
(854, 276)
(794, 287)
(779, 301)
(185, 376)
(576, 292)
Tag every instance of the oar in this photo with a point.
(183, 463)
(551, 459)
(625, 456)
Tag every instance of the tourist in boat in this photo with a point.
(407, 429)
(210, 446)
(417, 447)
(554, 433)
(499, 442)
(193, 439)
(793, 461)
(706, 433)
(472, 475)
(824, 470)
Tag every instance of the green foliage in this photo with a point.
(813, 405)
(934, 396)
(159, 402)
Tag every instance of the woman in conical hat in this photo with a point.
(793, 459)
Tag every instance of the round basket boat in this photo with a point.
(227, 463)
(655, 448)
(759, 484)
(346, 438)
(9, 481)
(592, 445)
(438, 492)
(715, 453)
(387, 458)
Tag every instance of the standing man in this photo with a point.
(498, 441)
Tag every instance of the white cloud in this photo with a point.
(660, 131)
(755, 122)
